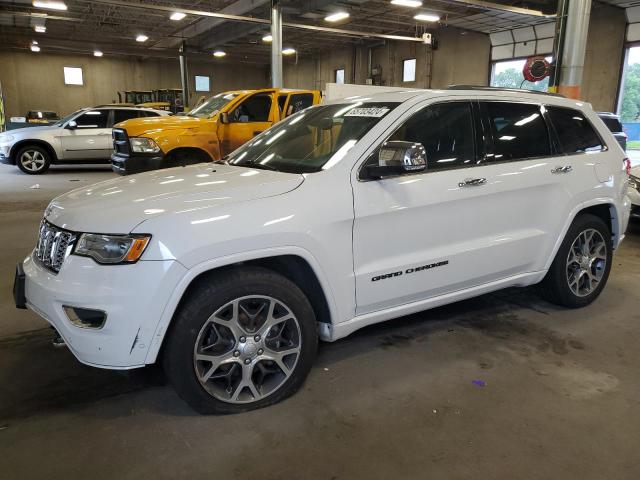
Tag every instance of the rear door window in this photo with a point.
(519, 131)
(575, 132)
(299, 101)
(120, 115)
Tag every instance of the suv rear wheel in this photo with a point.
(33, 159)
(244, 339)
(581, 267)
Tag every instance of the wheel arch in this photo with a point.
(189, 149)
(298, 266)
(40, 143)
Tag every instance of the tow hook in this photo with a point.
(57, 340)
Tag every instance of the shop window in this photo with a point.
(340, 75)
(409, 70)
(73, 76)
(202, 83)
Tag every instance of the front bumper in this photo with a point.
(135, 163)
(133, 296)
(4, 155)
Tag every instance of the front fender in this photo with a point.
(171, 140)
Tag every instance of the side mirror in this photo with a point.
(398, 157)
(224, 118)
(72, 125)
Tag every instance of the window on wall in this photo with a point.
(202, 83)
(508, 74)
(409, 70)
(340, 75)
(73, 76)
(629, 106)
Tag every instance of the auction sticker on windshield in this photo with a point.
(367, 112)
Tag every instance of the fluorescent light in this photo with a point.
(40, 28)
(35, 48)
(97, 53)
(267, 38)
(336, 17)
(177, 16)
(50, 5)
(219, 53)
(288, 51)
(407, 3)
(427, 17)
(142, 38)
(34, 43)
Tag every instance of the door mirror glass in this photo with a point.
(72, 125)
(398, 157)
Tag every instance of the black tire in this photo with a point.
(34, 151)
(555, 286)
(211, 294)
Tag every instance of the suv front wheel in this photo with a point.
(33, 159)
(243, 339)
(581, 267)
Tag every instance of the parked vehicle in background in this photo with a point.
(229, 273)
(82, 137)
(612, 121)
(41, 117)
(208, 132)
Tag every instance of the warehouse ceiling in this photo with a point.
(112, 25)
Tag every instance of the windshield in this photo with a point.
(64, 120)
(313, 139)
(212, 106)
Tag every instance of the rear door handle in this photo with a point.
(565, 169)
(472, 182)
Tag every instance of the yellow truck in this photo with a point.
(208, 132)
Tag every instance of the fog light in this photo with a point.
(85, 317)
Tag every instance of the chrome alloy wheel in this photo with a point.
(247, 349)
(586, 262)
(32, 160)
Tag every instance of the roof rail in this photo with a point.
(501, 89)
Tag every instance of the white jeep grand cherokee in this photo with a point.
(343, 215)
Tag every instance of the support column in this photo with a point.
(573, 40)
(184, 77)
(276, 44)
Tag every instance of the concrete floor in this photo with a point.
(560, 397)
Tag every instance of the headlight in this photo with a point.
(5, 138)
(143, 145)
(112, 248)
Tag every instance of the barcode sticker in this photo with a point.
(367, 112)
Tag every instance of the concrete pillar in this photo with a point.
(276, 44)
(184, 78)
(574, 45)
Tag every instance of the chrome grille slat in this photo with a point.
(53, 246)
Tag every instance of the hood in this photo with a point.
(26, 131)
(138, 126)
(118, 205)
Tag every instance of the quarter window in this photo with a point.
(93, 119)
(446, 132)
(575, 132)
(519, 131)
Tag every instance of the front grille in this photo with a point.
(120, 141)
(54, 245)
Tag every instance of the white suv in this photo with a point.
(343, 215)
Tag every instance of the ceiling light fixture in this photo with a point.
(336, 17)
(35, 48)
(177, 16)
(288, 51)
(427, 17)
(407, 3)
(49, 5)
(142, 38)
(219, 53)
(40, 28)
(267, 38)
(97, 53)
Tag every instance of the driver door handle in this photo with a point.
(472, 182)
(564, 169)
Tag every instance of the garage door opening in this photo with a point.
(508, 74)
(629, 102)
